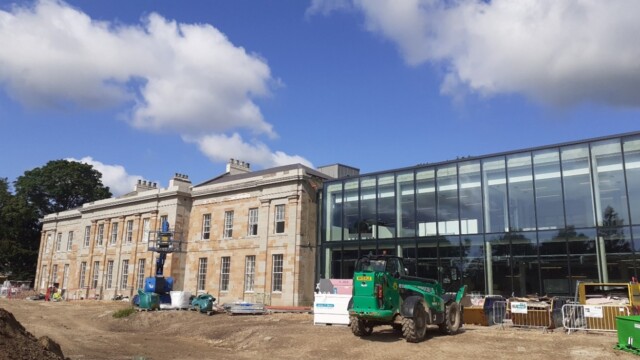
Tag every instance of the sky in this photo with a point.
(143, 89)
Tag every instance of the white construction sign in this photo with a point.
(593, 311)
(518, 307)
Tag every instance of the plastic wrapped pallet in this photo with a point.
(180, 299)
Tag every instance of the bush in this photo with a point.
(124, 312)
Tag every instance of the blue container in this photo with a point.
(158, 284)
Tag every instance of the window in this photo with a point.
(145, 230)
(109, 274)
(163, 218)
(202, 273)
(276, 278)
(83, 272)
(140, 273)
(58, 241)
(224, 273)
(48, 240)
(65, 276)
(249, 272)
(253, 222)
(100, 235)
(69, 240)
(96, 270)
(279, 219)
(87, 235)
(54, 274)
(43, 277)
(114, 233)
(129, 236)
(228, 224)
(206, 226)
(124, 281)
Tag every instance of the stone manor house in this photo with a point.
(246, 235)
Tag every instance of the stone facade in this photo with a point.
(261, 224)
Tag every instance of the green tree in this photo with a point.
(60, 185)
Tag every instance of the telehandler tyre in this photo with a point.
(361, 327)
(452, 319)
(414, 328)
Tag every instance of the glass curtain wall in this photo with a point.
(521, 223)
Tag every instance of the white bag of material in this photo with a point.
(180, 299)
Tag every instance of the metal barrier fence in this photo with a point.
(592, 317)
(536, 315)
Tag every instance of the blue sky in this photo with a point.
(144, 89)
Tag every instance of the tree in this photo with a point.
(60, 185)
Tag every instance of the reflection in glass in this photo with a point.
(632, 166)
(407, 213)
(577, 185)
(473, 263)
(610, 187)
(583, 256)
(471, 221)
(549, 204)
(522, 213)
(499, 274)
(351, 210)
(447, 181)
(554, 263)
(524, 253)
(333, 201)
(386, 228)
(426, 202)
(367, 207)
(495, 195)
(618, 247)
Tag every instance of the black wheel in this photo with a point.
(452, 319)
(414, 328)
(360, 327)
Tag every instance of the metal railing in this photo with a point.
(592, 317)
(533, 315)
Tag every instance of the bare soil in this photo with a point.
(87, 330)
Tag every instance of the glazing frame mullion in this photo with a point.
(626, 192)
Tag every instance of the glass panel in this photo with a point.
(499, 275)
(577, 186)
(406, 205)
(367, 207)
(583, 256)
(632, 166)
(524, 252)
(426, 202)
(522, 216)
(473, 263)
(617, 258)
(349, 258)
(427, 266)
(469, 178)
(333, 230)
(386, 227)
(495, 195)
(351, 210)
(609, 183)
(447, 180)
(450, 271)
(549, 204)
(554, 265)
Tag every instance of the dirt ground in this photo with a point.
(86, 330)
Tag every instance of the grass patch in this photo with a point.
(122, 313)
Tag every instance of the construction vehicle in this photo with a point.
(163, 242)
(384, 294)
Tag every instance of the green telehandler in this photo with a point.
(384, 294)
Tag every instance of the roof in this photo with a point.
(229, 177)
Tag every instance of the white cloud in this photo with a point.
(113, 176)
(554, 52)
(185, 78)
(220, 147)
(326, 7)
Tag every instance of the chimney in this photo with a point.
(236, 166)
(144, 185)
(180, 180)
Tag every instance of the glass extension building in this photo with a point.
(521, 222)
